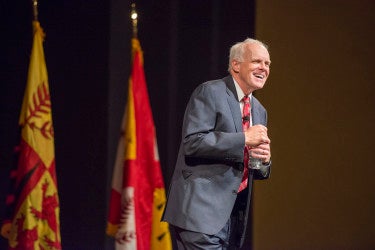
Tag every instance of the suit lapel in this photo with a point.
(256, 107)
(233, 103)
(256, 112)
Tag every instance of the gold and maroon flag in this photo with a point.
(138, 195)
(34, 223)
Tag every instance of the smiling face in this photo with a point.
(252, 72)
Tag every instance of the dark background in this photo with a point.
(320, 99)
(87, 50)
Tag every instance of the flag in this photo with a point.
(138, 196)
(35, 222)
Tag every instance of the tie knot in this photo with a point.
(246, 99)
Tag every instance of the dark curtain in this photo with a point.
(87, 52)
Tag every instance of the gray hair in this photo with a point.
(237, 51)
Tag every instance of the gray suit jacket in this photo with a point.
(209, 166)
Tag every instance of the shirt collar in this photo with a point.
(240, 93)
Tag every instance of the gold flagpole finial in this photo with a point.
(35, 9)
(134, 17)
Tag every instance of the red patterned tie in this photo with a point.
(245, 125)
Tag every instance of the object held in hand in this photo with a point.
(254, 163)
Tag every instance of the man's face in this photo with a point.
(253, 72)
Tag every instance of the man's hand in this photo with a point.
(256, 135)
(262, 151)
(256, 139)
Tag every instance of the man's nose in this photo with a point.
(264, 65)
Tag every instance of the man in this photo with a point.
(206, 206)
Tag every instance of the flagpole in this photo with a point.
(134, 17)
(35, 9)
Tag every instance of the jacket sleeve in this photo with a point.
(208, 131)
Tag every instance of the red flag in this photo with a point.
(138, 195)
(35, 222)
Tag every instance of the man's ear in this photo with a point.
(235, 66)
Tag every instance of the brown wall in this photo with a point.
(321, 102)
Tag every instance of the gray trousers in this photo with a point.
(228, 238)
